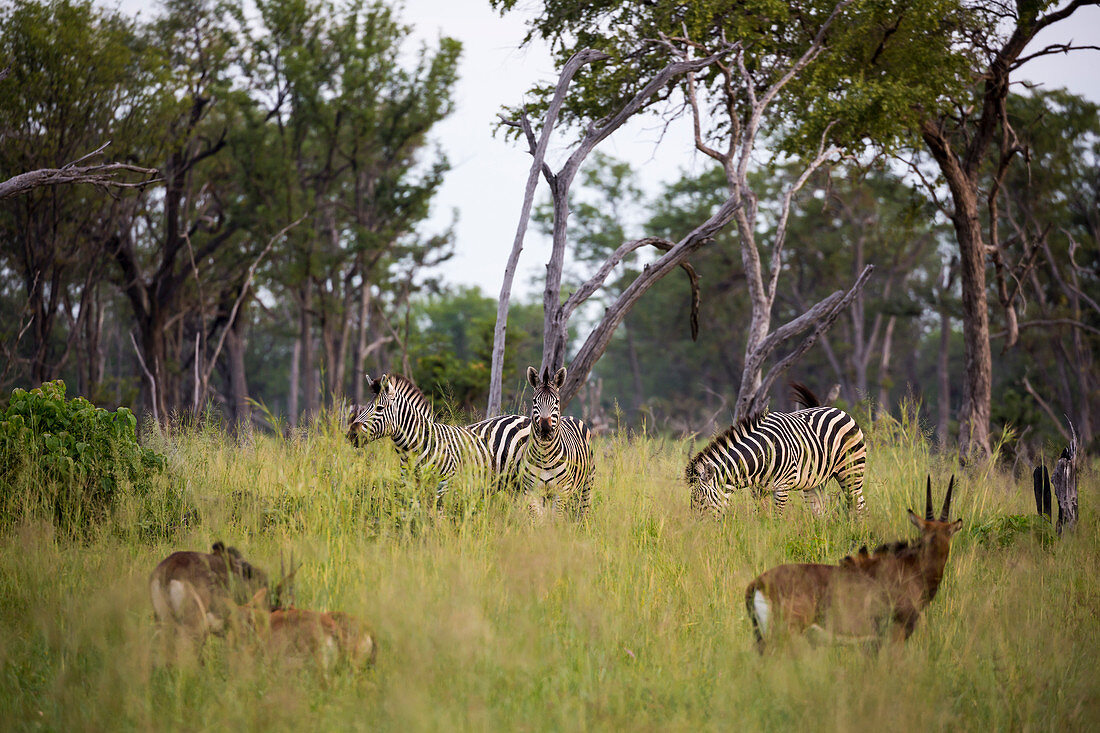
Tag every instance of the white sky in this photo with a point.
(485, 185)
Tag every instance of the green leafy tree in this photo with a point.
(961, 134)
(337, 142)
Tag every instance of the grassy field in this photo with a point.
(634, 620)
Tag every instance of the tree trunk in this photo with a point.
(635, 368)
(944, 377)
(358, 379)
(884, 368)
(974, 439)
(294, 384)
(305, 338)
(238, 384)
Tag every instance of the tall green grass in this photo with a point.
(634, 619)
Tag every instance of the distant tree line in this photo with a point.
(282, 252)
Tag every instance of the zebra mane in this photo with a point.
(742, 426)
(418, 399)
(739, 428)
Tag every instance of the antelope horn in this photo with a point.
(947, 501)
(928, 500)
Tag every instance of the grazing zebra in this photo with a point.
(557, 463)
(401, 411)
(781, 451)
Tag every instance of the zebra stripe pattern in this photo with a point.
(505, 437)
(557, 463)
(781, 452)
(402, 412)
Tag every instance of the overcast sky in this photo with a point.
(485, 185)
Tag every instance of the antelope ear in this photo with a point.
(954, 527)
(258, 599)
(916, 520)
(559, 378)
(533, 377)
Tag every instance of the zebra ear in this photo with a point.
(375, 384)
(559, 378)
(533, 377)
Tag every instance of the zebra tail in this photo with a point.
(803, 395)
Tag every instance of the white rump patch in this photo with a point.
(177, 595)
(760, 605)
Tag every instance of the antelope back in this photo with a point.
(200, 591)
(327, 637)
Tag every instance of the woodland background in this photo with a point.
(282, 251)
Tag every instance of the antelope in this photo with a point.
(200, 592)
(863, 598)
(328, 637)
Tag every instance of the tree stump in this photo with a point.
(1065, 486)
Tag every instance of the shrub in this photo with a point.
(68, 459)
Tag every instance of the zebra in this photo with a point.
(402, 412)
(505, 436)
(782, 451)
(557, 462)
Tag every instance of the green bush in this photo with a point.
(68, 459)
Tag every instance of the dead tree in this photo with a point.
(1065, 487)
(557, 314)
(737, 86)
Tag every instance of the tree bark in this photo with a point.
(239, 403)
(943, 376)
(884, 368)
(358, 379)
(310, 388)
(294, 386)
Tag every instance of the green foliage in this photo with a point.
(1005, 531)
(883, 64)
(451, 343)
(69, 458)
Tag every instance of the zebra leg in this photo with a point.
(815, 498)
(851, 486)
(440, 490)
(780, 492)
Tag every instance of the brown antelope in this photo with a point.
(328, 637)
(865, 596)
(199, 592)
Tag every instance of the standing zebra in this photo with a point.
(401, 411)
(505, 436)
(781, 451)
(557, 464)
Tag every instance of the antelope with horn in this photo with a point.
(865, 597)
(328, 637)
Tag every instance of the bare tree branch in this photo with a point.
(821, 317)
(100, 175)
(1046, 408)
